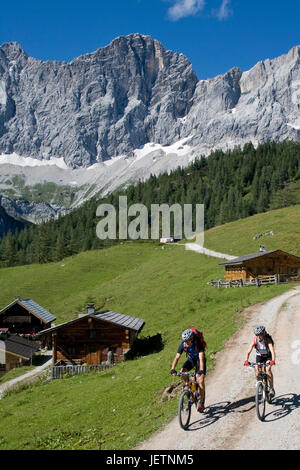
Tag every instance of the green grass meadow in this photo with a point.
(167, 287)
(236, 238)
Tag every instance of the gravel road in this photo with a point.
(205, 251)
(230, 420)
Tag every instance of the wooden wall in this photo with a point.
(13, 361)
(276, 263)
(235, 272)
(88, 341)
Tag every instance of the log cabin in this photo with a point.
(263, 264)
(89, 338)
(26, 317)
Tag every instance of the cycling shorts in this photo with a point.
(191, 363)
(263, 359)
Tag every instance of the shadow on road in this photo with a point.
(220, 410)
(288, 403)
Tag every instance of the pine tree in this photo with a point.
(8, 254)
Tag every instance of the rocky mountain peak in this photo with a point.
(133, 91)
(98, 106)
(12, 51)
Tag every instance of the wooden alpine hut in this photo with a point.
(26, 317)
(263, 264)
(88, 338)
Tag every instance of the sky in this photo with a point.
(215, 35)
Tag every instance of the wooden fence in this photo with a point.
(59, 371)
(257, 281)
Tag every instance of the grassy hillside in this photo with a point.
(64, 288)
(231, 185)
(236, 238)
(168, 288)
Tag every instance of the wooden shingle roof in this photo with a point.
(19, 346)
(33, 308)
(126, 321)
(119, 319)
(242, 259)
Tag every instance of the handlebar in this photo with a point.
(180, 374)
(253, 364)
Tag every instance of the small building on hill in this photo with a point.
(26, 317)
(15, 351)
(263, 264)
(89, 338)
(170, 239)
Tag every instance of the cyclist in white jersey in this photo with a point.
(264, 346)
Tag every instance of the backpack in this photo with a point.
(199, 335)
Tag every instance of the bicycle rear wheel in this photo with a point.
(260, 401)
(184, 409)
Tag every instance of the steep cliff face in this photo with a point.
(258, 105)
(98, 106)
(132, 92)
(133, 100)
(24, 211)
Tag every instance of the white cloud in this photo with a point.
(224, 11)
(184, 8)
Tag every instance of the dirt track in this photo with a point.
(230, 420)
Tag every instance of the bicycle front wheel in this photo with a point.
(260, 401)
(184, 409)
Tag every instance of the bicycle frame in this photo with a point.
(262, 374)
(187, 398)
(262, 389)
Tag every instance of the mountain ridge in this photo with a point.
(133, 91)
(97, 106)
(130, 109)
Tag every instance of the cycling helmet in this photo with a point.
(187, 335)
(259, 330)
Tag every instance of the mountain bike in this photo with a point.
(262, 389)
(190, 394)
